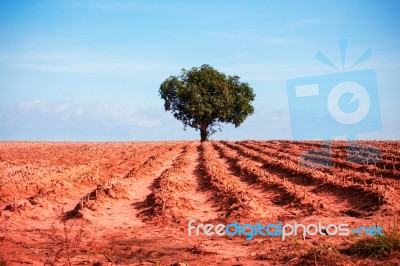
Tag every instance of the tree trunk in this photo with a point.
(203, 133)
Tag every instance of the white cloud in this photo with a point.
(75, 121)
(112, 115)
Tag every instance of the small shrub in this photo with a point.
(378, 246)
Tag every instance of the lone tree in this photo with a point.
(203, 98)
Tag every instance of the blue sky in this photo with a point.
(91, 70)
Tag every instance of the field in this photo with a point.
(130, 203)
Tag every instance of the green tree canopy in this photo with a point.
(203, 98)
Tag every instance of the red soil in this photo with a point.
(130, 203)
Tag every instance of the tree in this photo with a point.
(203, 98)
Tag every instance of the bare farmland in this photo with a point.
(130, 203)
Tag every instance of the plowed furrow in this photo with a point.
(116, 195)
(205, 209)
(300, 196)
(109, 181)
(345, 177)
(261, 205)
(234, 196)
(175, 195)
(324, 186)
(362, 170)
(280, 196)
(55, 186)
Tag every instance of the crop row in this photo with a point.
(310, 175)
(229, 191)
(165, 199)
(116, 187)
(338, 168)
(290, 191)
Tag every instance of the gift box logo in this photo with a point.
(338, 104)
